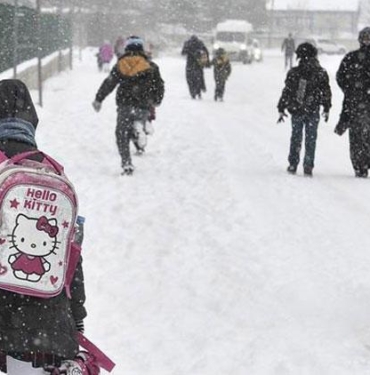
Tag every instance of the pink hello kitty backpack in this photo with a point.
(38, 208)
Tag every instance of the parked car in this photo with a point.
(328, 46)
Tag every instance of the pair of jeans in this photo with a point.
(309, 123)
(126, 116)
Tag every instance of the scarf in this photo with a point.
(18, 130)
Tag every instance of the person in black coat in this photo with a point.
(306, 89)
(41, 331)
(140, 88)
(353, 77)
(288, 47)
(197, 58)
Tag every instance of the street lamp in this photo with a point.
(271, 22)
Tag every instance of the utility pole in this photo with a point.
(39, 49)
(72, 26)
(15, 39)
(79, 33)
(271, 22)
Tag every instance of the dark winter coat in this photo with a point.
(194, 49)
(140, 84)
(197, 57)
(288, 46)
(306, 89)
(30, 324)
(221, 68)
(353, 77)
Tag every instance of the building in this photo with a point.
(336, 19)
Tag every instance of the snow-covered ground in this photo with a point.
(211, 259)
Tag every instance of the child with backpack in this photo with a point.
(221, 71)
(140, 88)
(306, 89)
(42, 290)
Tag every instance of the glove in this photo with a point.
(281, 117)
(96, 105)
(152, 114)
(340, 130)
(80, 326)
(83, 364)
(67, 367)
(325, 116)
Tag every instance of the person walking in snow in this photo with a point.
(105, 56)
(306, 90)
(119, 47)
(140, 88)
(197, 58)
(34, 332)
(288, 47)
(353, 77)
(221, 72)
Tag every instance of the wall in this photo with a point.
(51, 66)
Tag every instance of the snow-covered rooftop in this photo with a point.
(321, 5)
(234, 25)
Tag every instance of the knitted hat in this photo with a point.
(134, 43)
(306, 50)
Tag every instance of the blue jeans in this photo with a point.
(308, 122)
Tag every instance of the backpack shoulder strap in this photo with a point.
(24, 155)
(3, 157)
(102, 359)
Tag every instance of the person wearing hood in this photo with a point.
(34, 332)
(306, 89)
(140, 89)
(197, 58)
(221, 72)
(353, 77)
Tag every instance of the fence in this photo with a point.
(19, 34)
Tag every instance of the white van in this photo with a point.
(234, 37)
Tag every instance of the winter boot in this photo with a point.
(362, 173)
(139, 134)
(292, 169)
(307, 171)
(127, 170)
(140, 151)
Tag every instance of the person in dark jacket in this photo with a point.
(288, 47)
(221, 71)
(197, 58)
(35, 331)
(306, 89)
(353, 77)
(140, 88)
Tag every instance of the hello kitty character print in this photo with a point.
(34, 239)
(38, 210)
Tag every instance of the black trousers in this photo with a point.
(126, 116)
(359, 145)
